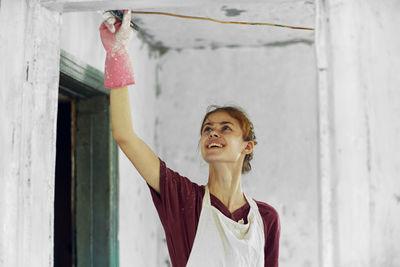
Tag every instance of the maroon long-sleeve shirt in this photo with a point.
(179, 205)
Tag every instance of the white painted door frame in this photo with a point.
(29, 100)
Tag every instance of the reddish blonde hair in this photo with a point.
(246, 125)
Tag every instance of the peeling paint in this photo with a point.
(215, 46)
(13, 136)
(27, 71)
(156, 48)
(290, 42)
(397, 197)
(158, 85)
(156, 142)
(167, 262)
(367, 131)
(137, 21)
(232, 12)
(232, 46)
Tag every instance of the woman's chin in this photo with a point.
(215, 159)
(212, 159)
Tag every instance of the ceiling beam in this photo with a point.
(96, 5)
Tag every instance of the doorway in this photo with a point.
(62, 200)
(86, 178)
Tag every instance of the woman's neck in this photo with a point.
(225, 183)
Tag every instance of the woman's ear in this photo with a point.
(249, 147)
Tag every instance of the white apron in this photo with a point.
(220, 241)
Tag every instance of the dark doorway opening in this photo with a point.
(86, 177)
(62, 201)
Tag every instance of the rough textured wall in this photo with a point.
(364, 104)
(29, 56)
(277, 87)
(138, 217)
(138, 220)
(79, 37)
(380, 66)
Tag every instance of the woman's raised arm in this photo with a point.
(117, 75)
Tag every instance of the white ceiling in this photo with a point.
(179, 33)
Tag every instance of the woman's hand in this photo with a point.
(115, 36)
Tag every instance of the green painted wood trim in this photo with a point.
(80, 79)
(97, 185)
(96, 166)
(113, 199)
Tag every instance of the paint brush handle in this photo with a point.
(119, 14)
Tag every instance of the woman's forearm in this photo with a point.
(121, 119)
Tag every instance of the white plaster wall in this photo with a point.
(79, 37)
(363, 52)
(28, 104)
(277, 87)
(138, 219)
(380, 67)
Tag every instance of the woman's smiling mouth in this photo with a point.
(214, 145)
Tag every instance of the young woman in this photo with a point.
(205, 225)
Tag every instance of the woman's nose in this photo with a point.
(213, 133)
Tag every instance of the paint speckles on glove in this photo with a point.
(118, 68)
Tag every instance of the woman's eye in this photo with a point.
(207, 129)
(226, 128)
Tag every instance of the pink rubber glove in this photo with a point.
(115, 38)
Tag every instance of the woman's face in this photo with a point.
(222, 140)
